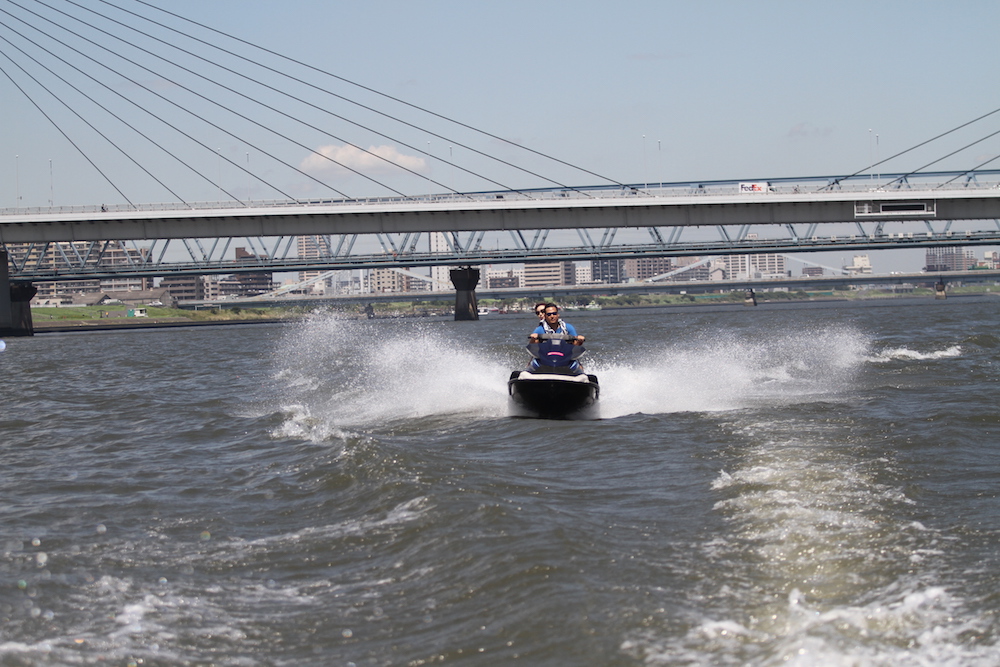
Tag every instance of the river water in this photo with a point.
(803, 484)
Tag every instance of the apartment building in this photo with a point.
(549, 274)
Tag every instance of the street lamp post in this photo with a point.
(659, 160)
(878, 175)
(645, 172)
(871, 158)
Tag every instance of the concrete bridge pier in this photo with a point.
(465, 280)
(15, 309)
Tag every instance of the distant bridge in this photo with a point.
(564, 292)
(784, 215)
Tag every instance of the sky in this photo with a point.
(631, 92)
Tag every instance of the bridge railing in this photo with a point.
(940, 181)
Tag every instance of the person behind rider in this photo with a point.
(540, 311)
(553, 324)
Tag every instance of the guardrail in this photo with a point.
(938, 181)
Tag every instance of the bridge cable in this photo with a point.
(319, 108)
(293, 97)
(970, 171)
(56, 125)
(271, 108)
(204, 120)
(944, 157)
(923, 143)
(371, 90)
(145, 110)
(376, 111)
(77, 114)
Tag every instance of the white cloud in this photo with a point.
(377, 160)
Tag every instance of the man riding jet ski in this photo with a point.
(551, 324)
(554, 385)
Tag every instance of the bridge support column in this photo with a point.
(465, 280)
(15, 309)
(939, 290)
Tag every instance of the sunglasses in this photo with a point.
(551, 314)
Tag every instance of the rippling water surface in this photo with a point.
(804, 485)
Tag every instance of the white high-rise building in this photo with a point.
(440, 275)
(862, 266)
(759, 266)
(313, 247)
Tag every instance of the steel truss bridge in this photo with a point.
(614, 222)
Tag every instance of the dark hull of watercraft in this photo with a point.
(553, 396)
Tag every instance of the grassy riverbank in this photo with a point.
(111, 313)
(661, 299)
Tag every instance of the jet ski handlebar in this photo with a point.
(537, 338)
(556, 336)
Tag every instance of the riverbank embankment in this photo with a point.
(66, 326)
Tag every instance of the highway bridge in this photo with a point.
(785, 215)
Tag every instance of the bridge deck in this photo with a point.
(793, 215)
(546, 209)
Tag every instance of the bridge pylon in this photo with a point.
(465, 280)
(15, 306)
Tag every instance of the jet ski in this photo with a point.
(554, 386)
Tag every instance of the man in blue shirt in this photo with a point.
(553, 324)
